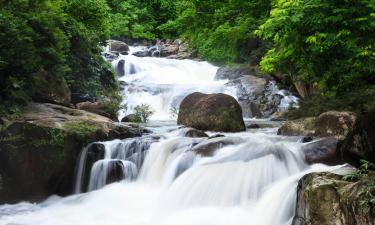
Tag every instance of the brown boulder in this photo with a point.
(327, 199)
(118, 46)
(215, 112)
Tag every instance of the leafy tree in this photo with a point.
(143, 112)
(329, 43)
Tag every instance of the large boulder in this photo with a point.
(38, 151)
(256, 92)
(215, 112)
(327, 199)
(256, 96)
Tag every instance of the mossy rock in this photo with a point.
(215, 112)
(328, 199)
(39, 151)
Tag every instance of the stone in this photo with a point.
(299, 127)
(40, 149)
(193, 133)
(118, 46)
(215, 112)
(81, 97)
(120, 68)
(322, 151)
(209, 146)
(334, 123)
(327, 199)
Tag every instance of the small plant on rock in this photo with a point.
(365, 175)
(144, 112)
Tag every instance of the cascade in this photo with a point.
(160, 179)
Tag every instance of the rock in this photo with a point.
(115, 171)
(322, 151)
(306, 139)
(51, 88)
(215, 112)
(193, 133)
(256, 96)
(209, 146)
(110, 56)
(39, 150)
(144, 53)
(216, 136)
(118, 46)
(334, 123)
(120, 68)
(235, 72)
(355, 134)
(326, 199)
(132, 118)
(299, 127)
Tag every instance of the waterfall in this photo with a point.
(162, 179)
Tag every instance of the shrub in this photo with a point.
(144, 112)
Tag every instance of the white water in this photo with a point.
(252, 181)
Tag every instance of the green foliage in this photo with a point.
(221, 31)
(54, 137)
(60, 38)
(144, 112)
(325, 42)
(81, 129)
(363, 174)
(31, 42)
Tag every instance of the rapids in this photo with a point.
(250, 182)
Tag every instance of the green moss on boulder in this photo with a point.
(39, 150)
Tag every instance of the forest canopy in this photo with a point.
(323, 47)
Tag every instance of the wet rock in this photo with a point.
(39, 150)
(118, 46)
(327, 199)
(235, 72)
(193, 133)
(144, 53)
(209, 146)
(216, 112)
(110, 56)
(120, 68)
(306, 139)
(322, 151)
(216, 136)
(256, 96)
(115, 171)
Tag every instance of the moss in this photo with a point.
(80, 129)
(54, 137)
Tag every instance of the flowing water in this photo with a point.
(164, 180)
